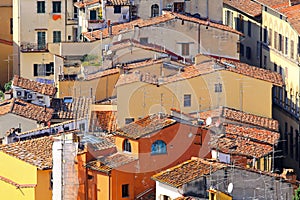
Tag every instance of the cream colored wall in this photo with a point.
(116, 17)
(144, 8)
(6, 72)
(29, 59)
(20, 172)
(248, 41)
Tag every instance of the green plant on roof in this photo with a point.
(91, 60)
(297, 194)
(7, 86)
(1, 95)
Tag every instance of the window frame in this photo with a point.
(158, 147)
(248, 53)
(154, 10)
(117, 9)
(127, 146)
(185, 49)
(125, 190)
(56, 36)
(187, 100)
(56, 6)
(218, 87)
(41, 7)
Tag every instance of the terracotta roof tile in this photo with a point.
(118, 2)
(17, 185)
(105, 120)
(168, 16)
(37, 152)
(237, 145)
(82, 4)
(105, 143)
(100, 74)
(272, 3)
(187, 172)
(42, 88)
(107, 163)
(240, 116)
(147, 125)
(78, 108)
(247, 6)
(27, 110)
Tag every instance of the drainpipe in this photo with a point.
(207, 9)
(199, 38)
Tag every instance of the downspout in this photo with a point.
(207, 9)
(260, 40)
(199, 38)
(66, 16)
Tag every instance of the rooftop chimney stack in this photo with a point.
(109, 28)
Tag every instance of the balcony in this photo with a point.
(96, 24)
(287, 105)
(33, 47)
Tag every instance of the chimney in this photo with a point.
(109, 27)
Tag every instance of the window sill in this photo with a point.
(153, 154)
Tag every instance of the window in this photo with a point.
(275, 67)
(265, 62)
(228, 18)
(11, 25)
(275, 40)
(126, 145)
(291, 142)
(41, 7)
(154, 10)
(265, 35)
(242, 50)
(93, 15)
(56, 7)
(82, 127)
(117, 9)
(218, 87)
(248, 53)
(185, 49)
(165, 197)
(41, 37)
(129, 120)
(159, 147)
(286, 51)
(258, 50)
(297, 145)
(51, 180)
(270, 37)
(75, 13)
(144, 40)
(280, 40)
(249, 28)
(240, 23)
(187, 100)
(292, 49)
(125, 190)
(43, 69)
(56, 36)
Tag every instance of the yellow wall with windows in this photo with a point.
(43, 190)
(140, 99)
(218, 195)
(134, 145)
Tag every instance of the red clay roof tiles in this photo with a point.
(42, 88)
(27, 110)
(37, 152)
(250, 7)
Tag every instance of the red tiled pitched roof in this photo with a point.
(237, 145)
(272, 3)
(27, 110)
(37, 152)
(103, 73)
(118, 2)
(116, 29)
(187, 172)
(42, 88)
(250, 7)
(17, 185)
(240, 116)
(107, 163)
(106, 120)
(147, 125)
(82, 4)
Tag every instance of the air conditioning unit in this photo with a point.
(20, 93)
(30, 96)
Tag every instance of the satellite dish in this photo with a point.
(230, 188)
(208, 121)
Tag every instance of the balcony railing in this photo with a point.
(96, 24)
(26, 47)
(287, 105)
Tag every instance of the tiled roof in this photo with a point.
(37, 152)
(106, 120)
(187, 172)
(234, 144)
(254, 72)
(17, 185)
(205, 68)
(100, 74)
(78, 108)
(240, 116)
(27, 110)
(247, 6)
(116, 29)
(143, 63)
(118, 2)
(104, 143)
(84, 3)
(107, 163)
(147, 125)
(272, 3)
(42, 88)
(255, 134)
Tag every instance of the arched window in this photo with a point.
(159, 147)
(126, 146)
(154, 10)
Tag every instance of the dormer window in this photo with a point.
(159, 147)
(126, 145)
